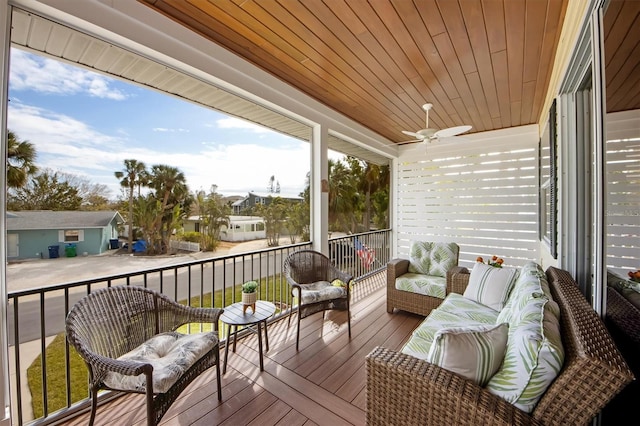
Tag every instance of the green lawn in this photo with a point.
(55, 353)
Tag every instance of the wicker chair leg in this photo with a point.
(298, 330)
(218, 375)
(151, 412)
(94, 404)
(348, 319)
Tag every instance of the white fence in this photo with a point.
(184, 245)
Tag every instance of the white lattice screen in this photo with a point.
(481, 193)
(623, 190)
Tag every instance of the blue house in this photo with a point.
(30, 233)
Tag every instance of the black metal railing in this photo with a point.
(36, 315)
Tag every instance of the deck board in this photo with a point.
(324, 383)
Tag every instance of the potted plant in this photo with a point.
(249, 295)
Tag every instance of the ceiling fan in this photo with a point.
(428, 135)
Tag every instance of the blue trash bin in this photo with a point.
(54, 252)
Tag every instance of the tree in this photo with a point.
(344, 201)
(274, 215)
(298, 217)
(20, 161)
(95, 196)
(214, 214)
(134, 173)
(170, 188)
(46, 191)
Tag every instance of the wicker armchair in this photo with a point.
(403, 390)
(114, 321)
(310, 275)
(415, 302)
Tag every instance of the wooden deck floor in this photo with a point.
(322, 384)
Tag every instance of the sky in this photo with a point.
(87, 124)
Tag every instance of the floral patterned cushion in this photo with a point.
(171, 355)
(474, 352)
(321, 290)
(422, 284)
(434, 259)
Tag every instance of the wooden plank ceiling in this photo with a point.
(622, 55)
(485, 63)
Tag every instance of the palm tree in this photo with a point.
(134, 174)
(170, 187)
(20, 161)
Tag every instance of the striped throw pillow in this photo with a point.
(490, 286)
(474, 352)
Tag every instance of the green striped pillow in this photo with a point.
(475, 353)
(490, 286)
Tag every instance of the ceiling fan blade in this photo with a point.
(414, 134)
(451, 131)
(408, 142)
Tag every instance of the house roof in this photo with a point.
(47, 219)
(275, 195)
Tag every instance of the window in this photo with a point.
(71, 236)
(196, 227)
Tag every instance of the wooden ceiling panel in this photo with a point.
(622, 55)
(486, 63)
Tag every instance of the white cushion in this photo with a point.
(171, 355)
(320, 291)
(490, 286)
(475, 353)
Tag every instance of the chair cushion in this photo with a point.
(475, 352)
(171, 355)
(534, 354)
(432, 258)
(321, 290)
(490, 286)
(422, 284)
(454, 311)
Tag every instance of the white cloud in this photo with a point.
(164, 129)
(44, 75)
(66, 144)
(236, 123)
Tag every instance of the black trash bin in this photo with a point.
(113, 244)
(54, 252)
(70, 250)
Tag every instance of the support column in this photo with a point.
(320, 189)
(5, 399)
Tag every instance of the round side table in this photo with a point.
(233, 316)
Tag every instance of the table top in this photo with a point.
(233, 315)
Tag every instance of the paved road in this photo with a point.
(175, 283)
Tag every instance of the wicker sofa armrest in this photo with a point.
(403, 390)
(457, 279)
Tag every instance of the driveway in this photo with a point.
(34, 273)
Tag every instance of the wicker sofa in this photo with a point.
(405, 390)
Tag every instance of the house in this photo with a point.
(254, 199)
(548, 172)
(241, 228)
(46, 233)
